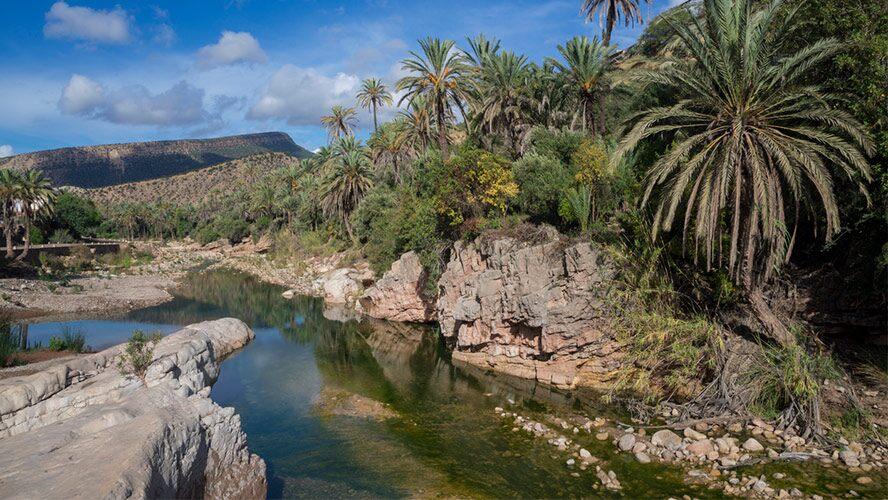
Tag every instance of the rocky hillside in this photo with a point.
(107, 165)
(195, 186)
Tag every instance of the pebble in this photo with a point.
(864, 480)
(752, 444)
(601, 436)
(626, 442)
(584, 454)
(643, 457)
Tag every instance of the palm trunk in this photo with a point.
(375, 125)
(602, 111)
(609, 22)
(27, 238)
(7, 231)
(442, 131)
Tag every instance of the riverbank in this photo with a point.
(82, 428)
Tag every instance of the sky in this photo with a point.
(85, 72)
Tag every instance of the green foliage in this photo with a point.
(138, 353)
(560, 144)
(76, 214)
(61, 236)
(472, 184)
(542, 180)
(69, 340)
(10, 342)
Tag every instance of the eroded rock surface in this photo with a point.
(82, 429)
(398, 295)
(535, 309)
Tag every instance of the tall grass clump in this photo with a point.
(138, 354)
(10, 342)
(69, 340)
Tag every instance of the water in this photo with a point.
(444, 440)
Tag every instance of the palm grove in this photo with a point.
(708, 155)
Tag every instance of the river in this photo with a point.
(441, 436)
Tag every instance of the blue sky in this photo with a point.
(83, 72)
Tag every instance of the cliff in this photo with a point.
(106, 165)
(80, 429)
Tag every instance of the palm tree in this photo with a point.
(346, 184)
(501, 86)
(586, 69)
(609, 11)
(374, 94)
(388, 146)
(10, 191)
(752, 143)
(418, 124)
(341, 121)
(438, 74)
(36, 198)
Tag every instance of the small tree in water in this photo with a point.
(138, 354)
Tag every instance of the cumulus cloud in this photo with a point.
(164, 34)
(301, 96)
(180, 105)
(6, 150)
(232, 48)
(83, 23)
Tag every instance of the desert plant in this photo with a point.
(69, 340)
(138, 353)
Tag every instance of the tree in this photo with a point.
(374, 94)
(346, 184)
(418, 124)
(10, 191)
(501, 83)
(77, 215)
(341, 121)
(609, 11)
(35, 199)
(437, 74)
(753, 143)
(388, 147)
(586, 69)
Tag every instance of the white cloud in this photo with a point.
(301, 96)
(181, 105)
(6, 150)
(83, 23)
(164, 34)
(81, 95)
(231, 48)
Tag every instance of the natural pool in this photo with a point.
(445, 439)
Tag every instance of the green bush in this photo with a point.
(76, 214)
(542, 180)
(233, 229)
(61, 236)
(378, 203)
(206, 235)
(138, 353)
(560, 145)
(10, 342)
(69, 340)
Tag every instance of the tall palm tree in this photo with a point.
(341, 121)
(10, 191)
(501, 86)
(374, 94)
(345, 186)
(586, 68)
(388, 147)
(418, 124)
(609, 11)
(753, 143)
(36, 199)
(438, 74)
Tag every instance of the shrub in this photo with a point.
(206, 235)
(233, 229)
(555, 144)
(542, 180)
(10, 342)
(138, 353)
(75, 214)
(375, 206)
(474, 182)
(61, 236)
(69, 340)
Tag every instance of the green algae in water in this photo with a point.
(445, 438)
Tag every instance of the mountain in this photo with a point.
(194, 186)
(107, 165)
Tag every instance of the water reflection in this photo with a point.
(445, 439)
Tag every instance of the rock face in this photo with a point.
(398, 295)
(343, 285)
(534, 309)
(81, 429)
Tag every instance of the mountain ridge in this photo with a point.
(121, 163)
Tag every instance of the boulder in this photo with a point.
(752, 444)
(666, 439)
(693, 435)
(535, 306)
(81, 429)
(701, 447)
(626, 442)
(398, 296)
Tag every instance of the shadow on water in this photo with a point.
(444, 438)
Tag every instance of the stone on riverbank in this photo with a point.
(398, 295)
(81, 429)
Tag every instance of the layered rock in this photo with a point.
(82, 429)
(534, 309)
(398, 296)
